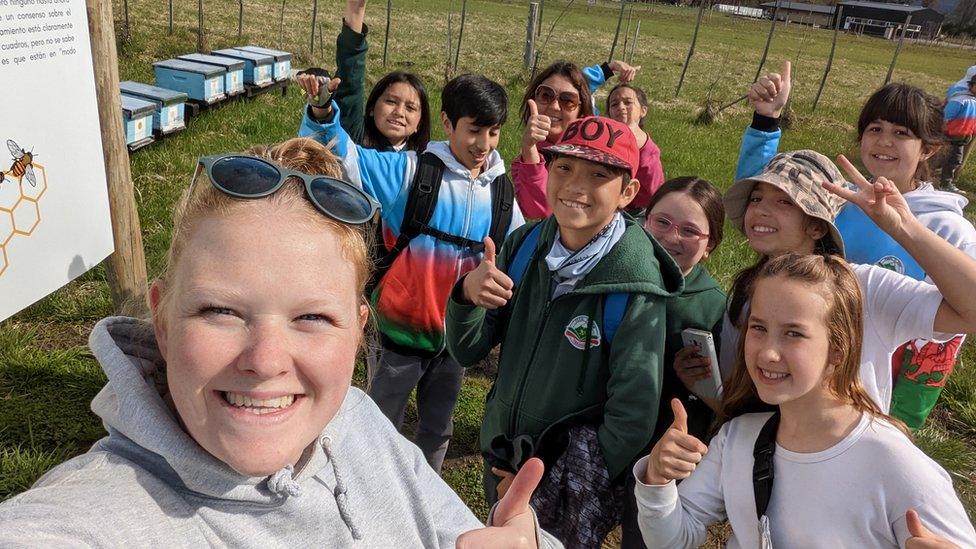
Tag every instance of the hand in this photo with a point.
(922, 538)
(505, 483)
(354, 14)
(881, 200)
(513, 524)
(677, 454)
(691, 367)
(625, 73)
(311, 85)
(487, 286)
(536, 130)
(771, 92)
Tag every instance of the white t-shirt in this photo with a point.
(854, 494)
(897, 309)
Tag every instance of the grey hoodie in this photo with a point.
(148, 483)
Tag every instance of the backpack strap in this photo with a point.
(614, 308)
(502, 203)
(762, 466)
(526, 249)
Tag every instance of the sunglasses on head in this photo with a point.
(567, 100)
(245, 176)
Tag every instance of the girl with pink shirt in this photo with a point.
(628, 104)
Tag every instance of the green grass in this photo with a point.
(47, 378)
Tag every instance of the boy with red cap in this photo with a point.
(577, 302)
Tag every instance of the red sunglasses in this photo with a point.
(567, 100)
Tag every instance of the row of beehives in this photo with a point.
(150, 112)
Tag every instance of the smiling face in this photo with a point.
(559, 118)
(625, 107)
(584, 196)
(471, 144)
(679, 223)
(787, 344)
(892, 151)
(397, 112)
(774, 224)
(259, 345)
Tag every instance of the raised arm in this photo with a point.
(351, 48)
(768, 97)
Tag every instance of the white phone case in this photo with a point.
(710, 387)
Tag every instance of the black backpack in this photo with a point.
(420, 208)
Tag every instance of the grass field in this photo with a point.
(48, 377)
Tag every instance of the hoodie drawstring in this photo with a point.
(282, 483)
(340, 490)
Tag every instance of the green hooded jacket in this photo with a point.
(555, 369)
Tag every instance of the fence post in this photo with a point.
(769, 40)
(201, 43)
(616, 35)
(386, 37)
(126, 267)
(530, 35)
(894, 58)
(691, 49)
(630, 16)
(311, 39)
(240, 19)
(170, 17)
(830, 58)
(633, 45)
(457, 51)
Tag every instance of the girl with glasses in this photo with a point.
(558, 95)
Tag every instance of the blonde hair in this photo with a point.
(202, 200)
(845, 331)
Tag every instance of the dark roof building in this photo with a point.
(887, 19)
(818, 15)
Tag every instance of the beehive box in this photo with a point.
(233, 80)
(169, 115)
(282, 61)
(258, 67)
(201, 82)
(137, 120)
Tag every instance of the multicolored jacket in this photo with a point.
(959, 114)
(411, 298)
(556, 369)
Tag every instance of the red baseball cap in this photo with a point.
(601, 140)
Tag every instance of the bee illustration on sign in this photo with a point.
(23, 164)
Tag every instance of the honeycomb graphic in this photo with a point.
(20, 213)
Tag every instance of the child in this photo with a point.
(556, 97)
(426, 256)
(628, 105)
(572, 387)
(899, 129)
(827, 468)
(960, 128)
(396, 115)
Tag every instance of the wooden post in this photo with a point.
(633, 45)
(240, 19)
(386, 37)
(126, 268)
(450, 40)
(691, 49)
(830, 58)
(126, 35)
(321, 44)
(630, 16)
(171, 17)
(281, 25)
(616, 35)
(311, 39)
(201, 43)
(457, 51)
(769, 40)
(894, 58)
(538, 26)
(530, 27)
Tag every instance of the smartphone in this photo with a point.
(710, 387)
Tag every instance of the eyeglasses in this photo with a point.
(661, 225)
(244, 176)
(568, 101)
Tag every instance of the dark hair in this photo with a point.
(702, 192)
(475, 96)
(907, 106)
(372, 138)
(641, 98)
(570, 72)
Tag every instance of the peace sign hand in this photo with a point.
(880, 200)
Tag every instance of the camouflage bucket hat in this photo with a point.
(801, 175)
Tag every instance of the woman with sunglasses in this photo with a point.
(231, 420)
(557, 96)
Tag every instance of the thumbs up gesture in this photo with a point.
(536, 131)
(921, 537)
(677, 454)
(512, 523)
(487, 286)
(771, 92)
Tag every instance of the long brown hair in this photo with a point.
(845, 327)
(570, 72)
(705, 194)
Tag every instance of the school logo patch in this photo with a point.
(891, 263)
(576, 332)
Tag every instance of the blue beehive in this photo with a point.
(137, 120)
(282, 60)
(169, 114)
(199, 81)
(258, 67)
(233, 80)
